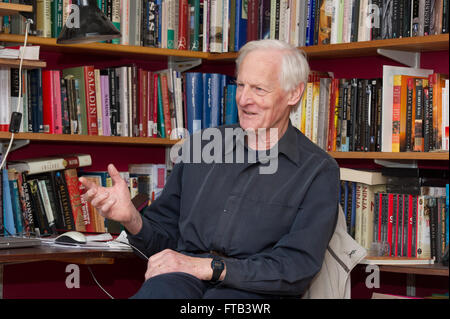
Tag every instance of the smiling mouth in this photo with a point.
(248, 113)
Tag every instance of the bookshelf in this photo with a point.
(12, 8)
(439, 42)
(318, 53)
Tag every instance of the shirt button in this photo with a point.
(224, 210)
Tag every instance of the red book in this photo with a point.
(155, 104)
(390, 221)
(142, 100)
(183, 25)
(252, 16)
(380, 215)
(91, 100)
(51, 98)
(166, 104)
(150, 86)
(410, 223)
(334, 96)
(73, 187)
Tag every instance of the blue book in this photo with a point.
(16, 206)
(206, 119)
(346, 198)
(310, 23)
(231, 112)
(159, 26)
(194, 101)
(8, 217)
(353, 217)
(446, 214)
(240, 37)
(216, 99)
(264, 18)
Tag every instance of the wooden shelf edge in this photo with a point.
(43, 137)
(27, 64)
(13, 9)
(440, 156)
(437, 42)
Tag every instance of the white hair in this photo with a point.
(294, 66)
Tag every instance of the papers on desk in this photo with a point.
(99, 242)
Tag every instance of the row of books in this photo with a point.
(117, 101)
(410, 222)
(380, 114)
(225, 25)
(42, 196)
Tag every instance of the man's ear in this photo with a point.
(296, 94)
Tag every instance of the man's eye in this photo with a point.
(260, 91)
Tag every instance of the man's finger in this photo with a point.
(86, 183)
(114, 173)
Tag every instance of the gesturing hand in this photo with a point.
(113, 202)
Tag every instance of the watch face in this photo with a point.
(217, 264)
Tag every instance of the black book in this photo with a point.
(406, 29)
(41, 222)
(354, 114)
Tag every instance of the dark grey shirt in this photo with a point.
(272, 228)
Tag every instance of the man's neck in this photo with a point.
(265, 138)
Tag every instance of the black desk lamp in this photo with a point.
(87, 23)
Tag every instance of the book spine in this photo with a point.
(418, 119)
(183, 25)
(409, 113)
(216, 26)
(396, 113)
(91, 100)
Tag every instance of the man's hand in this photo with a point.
(113, 202)
(171, 261)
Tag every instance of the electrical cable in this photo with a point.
(98, 284)
(95, 279)
(27, 28)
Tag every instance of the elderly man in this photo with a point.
(227, 230)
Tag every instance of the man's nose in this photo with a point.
(244, 95)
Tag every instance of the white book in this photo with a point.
(225, 25)
(347, 21)
(5, 96)
(42, 187)
(125, 22)
(216, 26)
(122, 129)
(308, 110)
(359, 176)
(396, 261)
(283, 18)
(47, 164)
(335, 22)
(29, 52)
(98, 97)
(206, 16)
(388, 89)
(302, 12)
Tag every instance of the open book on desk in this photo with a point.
(99, 242)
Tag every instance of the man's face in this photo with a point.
(261, 102)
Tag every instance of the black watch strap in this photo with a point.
(217, 266)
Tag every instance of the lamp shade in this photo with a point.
(87, 23)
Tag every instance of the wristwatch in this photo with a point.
(217, 266)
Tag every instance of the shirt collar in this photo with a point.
(286, 145)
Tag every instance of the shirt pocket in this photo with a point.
(259, 225)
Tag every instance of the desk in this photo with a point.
(70, 255)
(25, 270)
